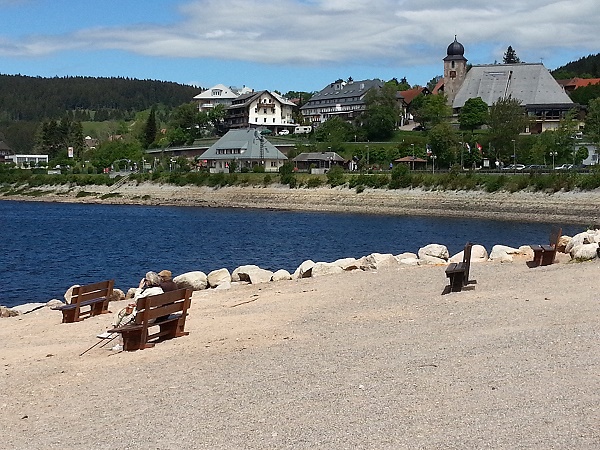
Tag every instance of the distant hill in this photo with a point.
(24, 98)
(586, 67)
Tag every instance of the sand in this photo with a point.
(359, 360)
(563, 207)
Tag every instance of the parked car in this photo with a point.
(564, 167)
(419, 128)
(284, 132)
(514, 167)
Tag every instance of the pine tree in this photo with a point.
(150, 129)
(510, 57)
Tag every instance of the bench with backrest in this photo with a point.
(86, 301)
(458, 273)
(544, 255)
(166, 311)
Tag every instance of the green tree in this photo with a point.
(401, 85)
(592, 121)
(150, 129)
(334, 131)
(108, 152)
(381, 112)
(506, 121)
(430, 110)
(510, 56)
(473, 114)
(444, 144)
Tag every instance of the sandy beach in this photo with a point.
(562, 207)
(360, 360)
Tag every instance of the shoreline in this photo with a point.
(562, 207)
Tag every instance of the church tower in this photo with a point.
(455, 70)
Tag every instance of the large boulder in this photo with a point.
(579, 239)
(54, 303)
(117, 294)
(218, 277)
(324, 268)
(7, 312)
(130, 293)
(235, 275)
(347, 263)
(376, 261)
(304, 270)
(478, 254)
(562, 243)
(69, 293)
(196, 281)
(281, 275)
(436, 251)
(585, 252)
(256, 276)
(502, 253)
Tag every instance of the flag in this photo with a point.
(468, 147)
(478, 147)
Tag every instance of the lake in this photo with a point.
(47, 247)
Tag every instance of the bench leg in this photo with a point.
(68, 316)
(537, 257)
(456, 281)
(548, 258)
(173, 329)
(99, 308)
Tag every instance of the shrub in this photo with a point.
(314, 182)
(267, 180)
(335, 176)
(258, 169)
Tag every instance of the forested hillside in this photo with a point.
(24, 98)
(586, 67)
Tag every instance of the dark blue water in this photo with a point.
(47, 247)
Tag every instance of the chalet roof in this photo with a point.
(225, 92)
(529, 83)
(351, 91)
(246, 99)
(248, 141)
(318, 156)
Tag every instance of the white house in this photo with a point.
(218, 95)
(27, 160)
(263, 109)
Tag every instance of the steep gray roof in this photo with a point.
(248, 141)
(530, 83)
(319, 156)
(353, 92)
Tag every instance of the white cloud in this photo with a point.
(314, 32)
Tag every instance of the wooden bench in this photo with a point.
(544, 255)
(93, 296)
(458, 273)
(166, 311)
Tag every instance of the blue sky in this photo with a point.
(286, 44)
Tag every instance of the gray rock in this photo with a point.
(585, 252)
(27, 307)
(281, 275)
(196, 281)
(54, 303)
(235, 275)
(436, 250)
(323, 268)
(347, 263)
(376, 261)
(218, 277)
(304, 270)
(7, 312)
(117, 295)
(69, 293)
(257, 276)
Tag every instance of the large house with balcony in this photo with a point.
(218, 95)
(264, 109)
(345, 99)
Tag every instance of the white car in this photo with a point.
(284, 132)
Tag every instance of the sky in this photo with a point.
(285, 45)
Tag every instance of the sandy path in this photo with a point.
(360, 360)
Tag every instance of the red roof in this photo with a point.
(410, 94)
(574, 83)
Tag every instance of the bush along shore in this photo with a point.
(583, 246)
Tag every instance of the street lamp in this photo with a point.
(413, 156)
(433, 158)
(514, 156)
(553, 154)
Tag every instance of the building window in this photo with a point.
(265, 120)
(453, 74)
(264, 110)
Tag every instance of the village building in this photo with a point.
(317, 162)
(543, 98)
(218, 95)
(242, 149)
(264, 109)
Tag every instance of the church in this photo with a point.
(545, 101)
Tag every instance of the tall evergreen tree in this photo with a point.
(150, 129)
(510, 56)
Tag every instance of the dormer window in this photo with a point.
(217, 92)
